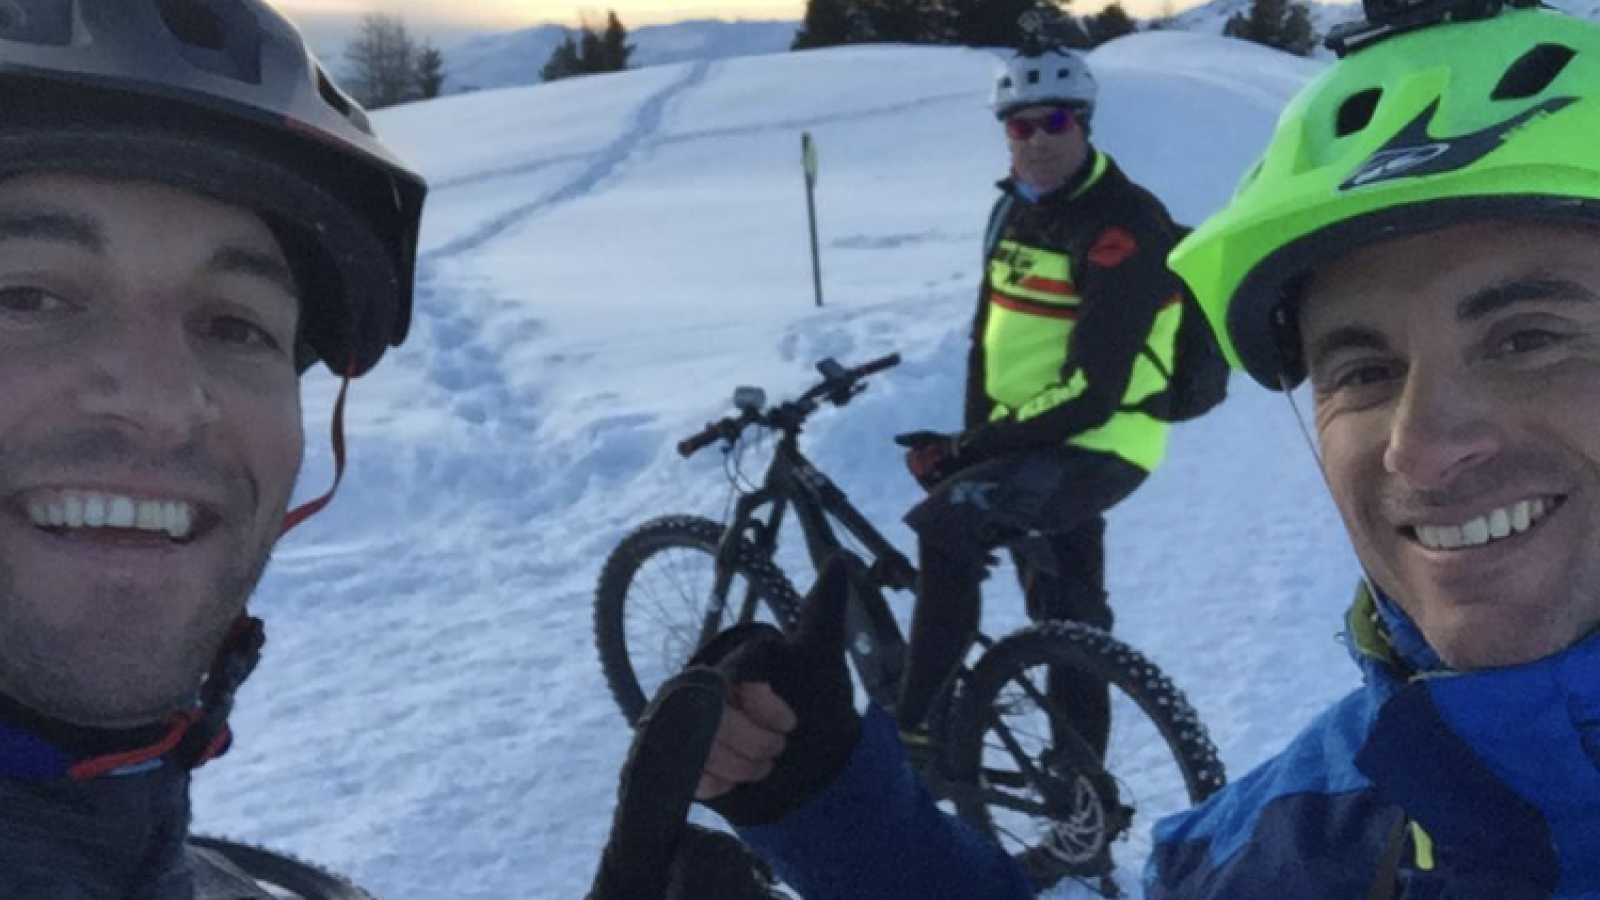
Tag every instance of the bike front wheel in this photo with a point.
(281, 874)
(655, 602)
(1039, 790)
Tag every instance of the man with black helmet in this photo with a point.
(191, 216)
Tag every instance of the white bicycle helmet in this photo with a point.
(1053, 76)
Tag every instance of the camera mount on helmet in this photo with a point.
(1388, 18)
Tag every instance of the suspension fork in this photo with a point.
(746, 524)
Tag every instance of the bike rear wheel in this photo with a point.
(1039, 790)
(655, 597)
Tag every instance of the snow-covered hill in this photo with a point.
(514, 58)
(604, 259)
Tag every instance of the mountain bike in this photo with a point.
(280, 874)
(1005, 757)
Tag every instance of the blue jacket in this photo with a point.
(1441, 786)
(1438, 785)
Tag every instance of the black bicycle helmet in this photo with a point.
(223, 98)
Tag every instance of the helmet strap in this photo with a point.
(312, 507)
(37, 748)
(1287, 386)
(191, 738)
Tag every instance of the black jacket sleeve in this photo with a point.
(1124, 284)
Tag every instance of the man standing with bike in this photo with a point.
(191, 216)
(1454, 406)
(1071, 343)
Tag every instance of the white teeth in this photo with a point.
(119, 513)
(152, 516)
(1439, 538)
(1497, 524)
(88, 509)
(1476, 532)
(94, 511)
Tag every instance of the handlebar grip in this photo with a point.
(692, 445)
(877, 365)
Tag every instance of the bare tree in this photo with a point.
(382, 62)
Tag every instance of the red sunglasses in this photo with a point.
(1021, 128)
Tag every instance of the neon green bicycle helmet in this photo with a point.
(1498, 118)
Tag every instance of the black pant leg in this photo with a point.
(943, 625)
(1074, 592)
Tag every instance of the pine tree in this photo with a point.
(989, 23)
(1109, 23)
(430, 71)
(1283, 24)
(827, 23)
(591, 52)
(614, 45)
(564, 61)
(904, 21)
(1298, 36)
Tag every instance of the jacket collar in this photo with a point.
(1091, 173)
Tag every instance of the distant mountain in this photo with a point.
(515, 58)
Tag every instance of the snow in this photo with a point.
(604, 260)
(514, 58)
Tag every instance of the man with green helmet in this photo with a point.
(191, 217)
(1422, 242)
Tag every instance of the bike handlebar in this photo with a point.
(876, 366)
(837, 388)
(713, 432)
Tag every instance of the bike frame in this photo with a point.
(793, 484)
(873, 638)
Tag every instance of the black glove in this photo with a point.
(931, 457)
(807, 671)
(653, 852)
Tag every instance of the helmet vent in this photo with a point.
(331, 94)
(221, 37)
(1033, 76)
(192, 23)
(1355, 114)
(1535, 71)
(33, 22)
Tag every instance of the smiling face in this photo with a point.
(149, 438)
(1457, 375)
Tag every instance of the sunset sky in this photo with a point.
(329, 20)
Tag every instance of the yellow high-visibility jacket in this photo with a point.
(1076, 321)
